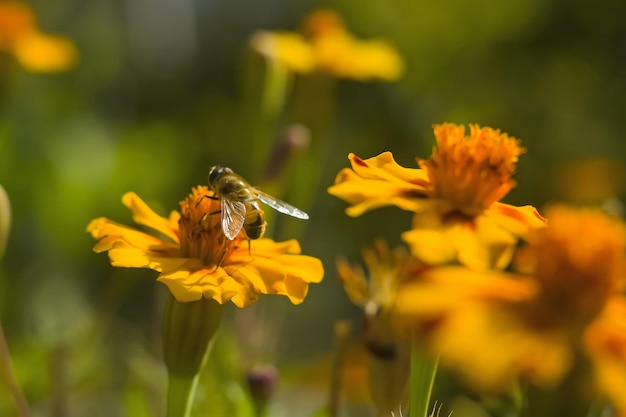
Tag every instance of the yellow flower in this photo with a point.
(289, 49)
(388, 356)
(387, 270)
(34, 50)
(565, 301)
(325, 45)
(454, 195)
(195, 260)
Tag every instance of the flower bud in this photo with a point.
(5, 220)
(262, 381)
(188, 332)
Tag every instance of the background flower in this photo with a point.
(326, 45)
(35, 50)
(496, 329)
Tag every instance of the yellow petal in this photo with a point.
(40, 52)
(479, 243)
(354, 282)
(606, 345)
(378, 182)
(274, 268)
(517, 220)
(344, 56)
(469, 319)
(441, 291)
(144, 215)
(196, 282)
(288, 48)
(110, 234)
(136, 258)
(491, 350)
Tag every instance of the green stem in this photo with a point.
(180, 394)
(423, 371)
(276, 86)
(6, 372)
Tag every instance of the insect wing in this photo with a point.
(280, 206)
(233, 216)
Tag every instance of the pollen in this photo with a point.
(472, 172)
(201, 234)
(578, 261)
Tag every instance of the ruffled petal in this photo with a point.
(378, 182)
(517, 220)
(144, 215)
(136, 258)
(274, 268)
(480, 244)
(195, 282)
(110, 234)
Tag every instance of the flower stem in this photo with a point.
(423, 371)
(180, 393)
(6, 373)
(342, 334)
(188, 333)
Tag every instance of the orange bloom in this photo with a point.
(195, 259)
(388, 355)
(565, 301)
(455, 196)
(327, 46)
(34, 50)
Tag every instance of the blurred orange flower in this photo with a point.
(565, 299)
(33, 49)
(325, 45)
(195, 259)
(455, 196)
(388, 356)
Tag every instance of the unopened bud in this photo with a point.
(262, 382)
(5, 220)
(292, 139)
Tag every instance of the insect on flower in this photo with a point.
(240, 207)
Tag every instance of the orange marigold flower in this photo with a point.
(565, 299)
(455, 195)
(195, 260)
(327, 46)
(34, 50)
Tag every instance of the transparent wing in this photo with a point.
(280, 206)
(233, 216)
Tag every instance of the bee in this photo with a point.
(241, 208)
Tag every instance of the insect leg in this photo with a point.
(210, 197)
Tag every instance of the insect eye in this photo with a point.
(215, 173)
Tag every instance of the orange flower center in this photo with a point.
(201, 234)
(471, 172)
(16, 19)
(579, 263)
(322, 22)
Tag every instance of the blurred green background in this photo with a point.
(167, 88)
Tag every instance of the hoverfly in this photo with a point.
(240, 207)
